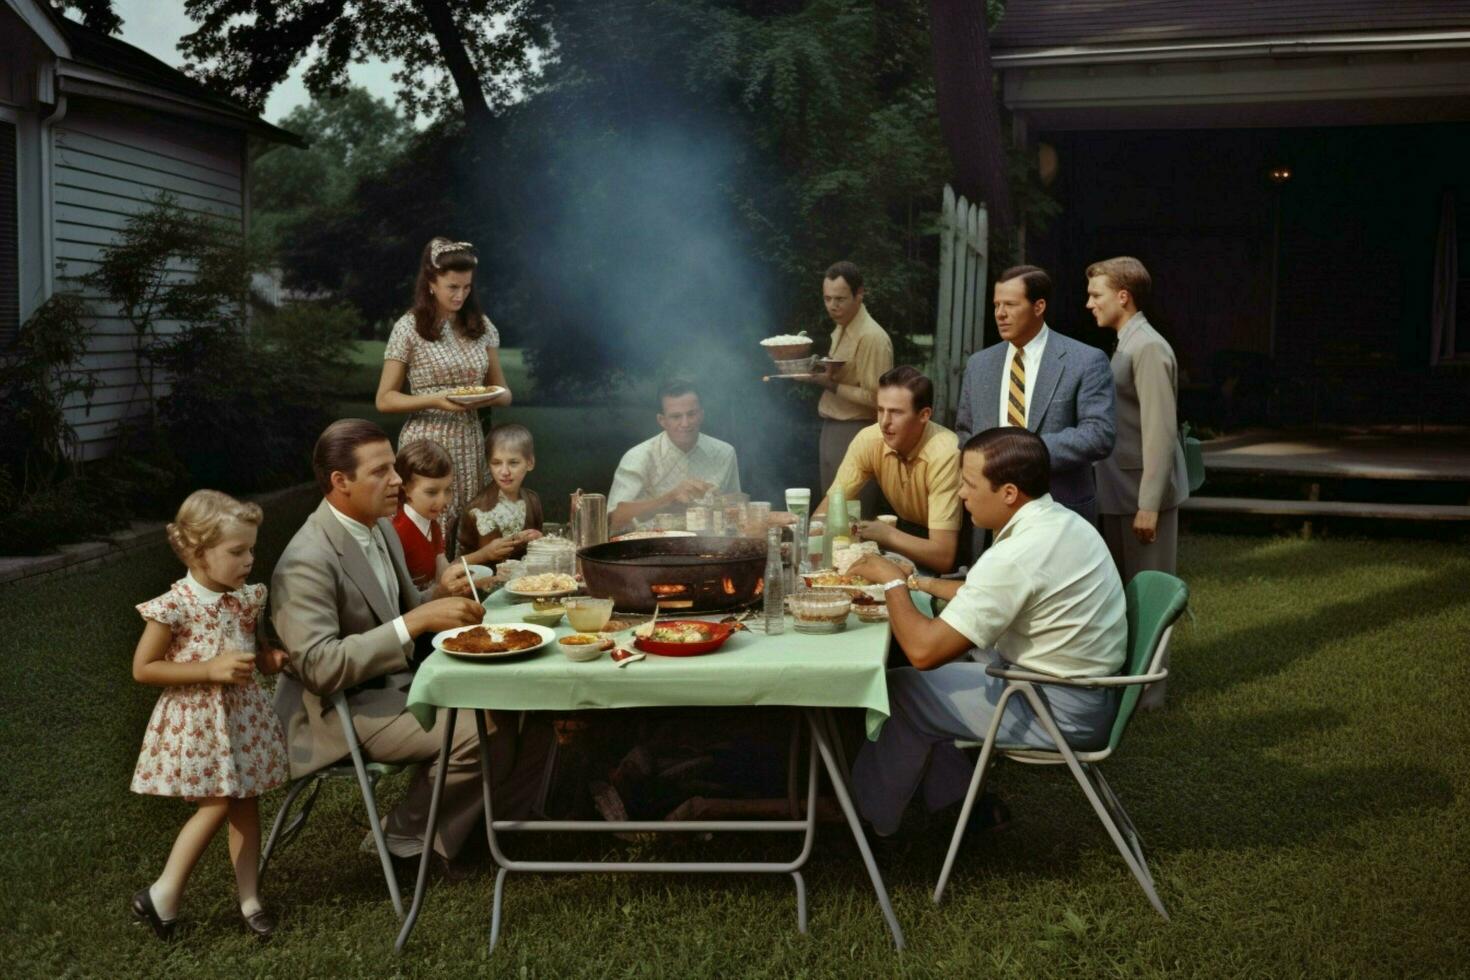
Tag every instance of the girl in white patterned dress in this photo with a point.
(444, 343)
(214, 738)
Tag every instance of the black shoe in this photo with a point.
(143, 910)
(990, 813)
(260, 922)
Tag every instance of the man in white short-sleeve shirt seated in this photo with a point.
(1045, 597)
(674, 468)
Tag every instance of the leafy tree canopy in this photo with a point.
(96, 14)
(458, 56)
(351, 136)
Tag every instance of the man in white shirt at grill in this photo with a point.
(674, 468)
(1045, 597)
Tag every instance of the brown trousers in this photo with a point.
(517, 759)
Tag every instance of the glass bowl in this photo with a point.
(587, 614)
(818, 612)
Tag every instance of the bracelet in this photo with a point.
(895, 583)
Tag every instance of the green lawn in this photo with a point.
(1302, 799)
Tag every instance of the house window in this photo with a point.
(9, 237)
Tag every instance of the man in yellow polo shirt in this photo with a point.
(916, 463)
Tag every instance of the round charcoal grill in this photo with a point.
(692, 575)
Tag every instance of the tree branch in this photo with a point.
(466, 79)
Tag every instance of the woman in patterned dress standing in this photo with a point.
(444, 342)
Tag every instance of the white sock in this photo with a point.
(249, 907)
(165, 903)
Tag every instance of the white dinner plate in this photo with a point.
(546, 634)
(528, 596)
(494, 392)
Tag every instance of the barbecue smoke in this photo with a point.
(644, 255)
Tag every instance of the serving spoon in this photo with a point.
(646, 630)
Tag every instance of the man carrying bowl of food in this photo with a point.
(861, 353)
(679, 465)
(915, 462)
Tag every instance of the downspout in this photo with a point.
(48, 203)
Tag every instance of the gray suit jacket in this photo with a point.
(1146, 469)
(337, 625)
(1071, 409)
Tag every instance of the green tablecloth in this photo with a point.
(839, 670)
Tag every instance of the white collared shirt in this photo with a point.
(370, 540)
(204, 594)
(1046, 595)
(656, 466)
(419, 521)
(1034, 351)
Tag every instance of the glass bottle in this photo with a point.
(836, 523)
(774, 605)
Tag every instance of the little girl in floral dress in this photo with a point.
(214, 738)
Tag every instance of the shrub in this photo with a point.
(246, 406)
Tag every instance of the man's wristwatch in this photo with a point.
(893, 584)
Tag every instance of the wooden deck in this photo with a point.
(1435, 455)
(1431, 456)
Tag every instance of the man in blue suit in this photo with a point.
(1044, 381)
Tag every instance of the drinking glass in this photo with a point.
(798, 500)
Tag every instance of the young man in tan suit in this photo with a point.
(850, 402)
(1141, 485)
(347, 611)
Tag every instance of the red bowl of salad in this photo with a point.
(684, 638)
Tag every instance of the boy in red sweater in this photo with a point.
(428, 486)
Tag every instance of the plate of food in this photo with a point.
(684, 637)
(500, 641)
(548, 585)
(828, 579)
(475, 394)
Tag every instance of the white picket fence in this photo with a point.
(964, 230)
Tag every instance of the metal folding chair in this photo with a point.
(1155, 601)
(367, 775)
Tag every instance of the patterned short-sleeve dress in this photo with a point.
(436, 367)
(210, 739)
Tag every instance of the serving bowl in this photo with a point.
(587, 614)
(820, 612)
(584, 647)
(716, 634)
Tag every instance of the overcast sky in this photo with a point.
(156, 26)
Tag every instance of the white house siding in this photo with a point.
(110, 163)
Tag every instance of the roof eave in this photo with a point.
(80, 79)
(1275, 47)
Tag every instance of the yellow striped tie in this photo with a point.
(1016, 400)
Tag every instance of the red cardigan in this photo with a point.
(419, 552)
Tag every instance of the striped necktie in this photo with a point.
(1016, 399)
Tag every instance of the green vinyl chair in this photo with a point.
(1155, 601)
(353, 767)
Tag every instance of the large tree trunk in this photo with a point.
(969, 113)
(477, 113)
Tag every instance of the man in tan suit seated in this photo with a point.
(1142, 483)
(347, 611)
